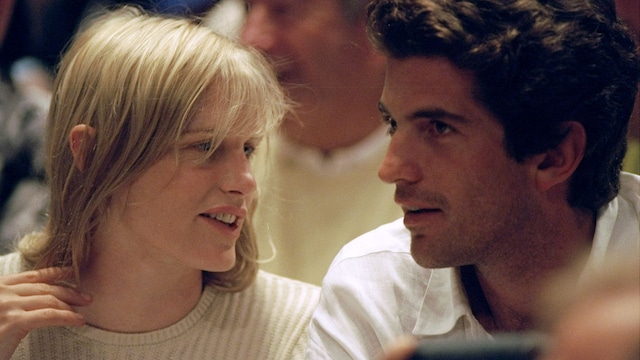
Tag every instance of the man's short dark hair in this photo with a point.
(537, 64)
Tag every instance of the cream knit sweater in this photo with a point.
(266, 321)
(312, 205)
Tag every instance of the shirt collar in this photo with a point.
(444, 304)
(617, 225)
(445, 308)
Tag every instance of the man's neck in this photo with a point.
(503, 295)
(495, 316)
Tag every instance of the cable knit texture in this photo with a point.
(266, 321)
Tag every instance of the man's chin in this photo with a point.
(428, 263)
(425, 255)
(424, 261)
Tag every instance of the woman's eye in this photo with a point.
(249, 149)
(204, 146)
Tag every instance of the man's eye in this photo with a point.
(440, 128)
(281, 10)
(391, 123)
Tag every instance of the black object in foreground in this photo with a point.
(501, 347)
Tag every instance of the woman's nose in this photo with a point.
(239, 178)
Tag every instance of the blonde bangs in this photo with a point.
(138, 80)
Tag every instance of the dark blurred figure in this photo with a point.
(24, 98)
(42, 28)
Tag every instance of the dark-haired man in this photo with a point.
(508, 122)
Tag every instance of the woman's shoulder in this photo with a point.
(11, 263)
(15, 262)
(267, 320)
(274, 287)
(272, 294)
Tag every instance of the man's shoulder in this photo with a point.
(630, 187)
(392, 237)
(378, 255)
(617, 232)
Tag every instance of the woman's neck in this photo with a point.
(133, 294)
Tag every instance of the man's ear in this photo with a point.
(81, 139)
(555, 166)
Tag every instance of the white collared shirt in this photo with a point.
(375, 292)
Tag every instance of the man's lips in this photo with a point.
(412, 200)
(418, 210)
(419, 217)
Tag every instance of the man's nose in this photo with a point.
(399, 163)
(258, 29)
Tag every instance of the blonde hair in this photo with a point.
(138, 79)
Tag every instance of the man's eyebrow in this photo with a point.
(436, 113)
(427, 113)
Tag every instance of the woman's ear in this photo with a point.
(557, 165)
(81, 138)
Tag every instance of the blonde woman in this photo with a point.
(149, 251)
